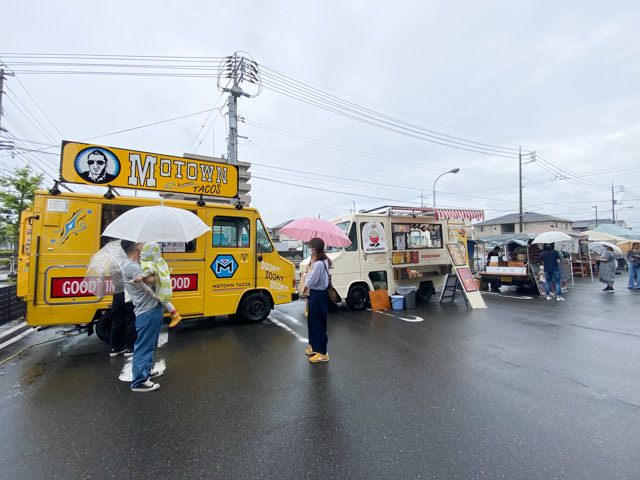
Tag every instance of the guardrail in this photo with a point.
(11, 307)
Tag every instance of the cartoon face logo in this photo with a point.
(224, 266)
(374, 235)
(97, 165)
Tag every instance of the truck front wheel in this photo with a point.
(357, 297)
(255, 307)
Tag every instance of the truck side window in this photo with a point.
(111, 211)
(263, 243)
(231, 232)
(353, 236)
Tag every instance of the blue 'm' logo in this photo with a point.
(224, 266)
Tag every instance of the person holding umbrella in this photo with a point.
(148, 311)
(318, 280)
(551, 266)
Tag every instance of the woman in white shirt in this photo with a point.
(318, 280)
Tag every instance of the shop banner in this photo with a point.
(99, 165)
(373, 238)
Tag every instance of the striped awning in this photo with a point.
(445, 214)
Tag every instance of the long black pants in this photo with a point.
(317, 320)
(123, 323)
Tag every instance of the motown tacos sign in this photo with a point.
(99, 165)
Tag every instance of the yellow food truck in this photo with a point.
(233, 269)
(395, 246)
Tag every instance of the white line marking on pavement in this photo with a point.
(9, 331)
(163, 338)
(520, 297)
(413, 318)
(127, 374)
(289, 317)
(16, 338)
(290, 330)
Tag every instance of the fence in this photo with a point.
(11, 308)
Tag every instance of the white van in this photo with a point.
(396, 246)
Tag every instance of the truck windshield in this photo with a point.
(344, 227)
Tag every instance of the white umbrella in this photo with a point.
(156, 224)
(551, 237)
(599, 246)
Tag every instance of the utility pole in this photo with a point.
(1, 93)
(239, 69)
(532, 155)
(613, 207)
(596, 207)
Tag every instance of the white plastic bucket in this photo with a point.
(397, 302)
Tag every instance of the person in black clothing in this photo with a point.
(493, 253)
(123, 327)
(551, 265)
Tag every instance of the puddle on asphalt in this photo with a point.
(32, 374)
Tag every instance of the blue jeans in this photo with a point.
(634, 276)
(317, 320)
(148, 327)
(552, 276)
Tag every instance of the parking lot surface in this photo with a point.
(524, 389)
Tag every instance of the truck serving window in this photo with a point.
(230, 232)
(263, 244)
(417, 235)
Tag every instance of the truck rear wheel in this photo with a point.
(255, 307)
(425, 291)
(103, 327)
(357, 297)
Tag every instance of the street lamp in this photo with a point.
(454, 170)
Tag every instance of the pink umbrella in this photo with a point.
(307, 228)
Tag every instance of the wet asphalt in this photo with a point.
(525, 389)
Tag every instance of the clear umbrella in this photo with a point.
(104, 273)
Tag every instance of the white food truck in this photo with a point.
(394, 246)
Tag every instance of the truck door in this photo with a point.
(229, 263)
(375, 240)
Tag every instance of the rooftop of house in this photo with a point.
(527, 217)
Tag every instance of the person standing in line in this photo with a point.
(551, 266)
(123, 326)
(318, 280)
(607, 266)
(633, 259)
(148, 311)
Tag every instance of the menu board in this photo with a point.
(456, 254)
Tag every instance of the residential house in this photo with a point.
(511, 224)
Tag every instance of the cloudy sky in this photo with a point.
(364, 103)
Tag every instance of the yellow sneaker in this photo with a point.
(175, 319)
(309, 351)
(318, 357)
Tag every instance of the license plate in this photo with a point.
(506, 279)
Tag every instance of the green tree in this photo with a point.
(16, 196)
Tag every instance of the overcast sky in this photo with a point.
(558, 78)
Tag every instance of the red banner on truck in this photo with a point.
(64, 287)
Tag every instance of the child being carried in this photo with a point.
(153, 264)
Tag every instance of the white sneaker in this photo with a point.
(146, 386)
(548, 297)
(559, 299)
